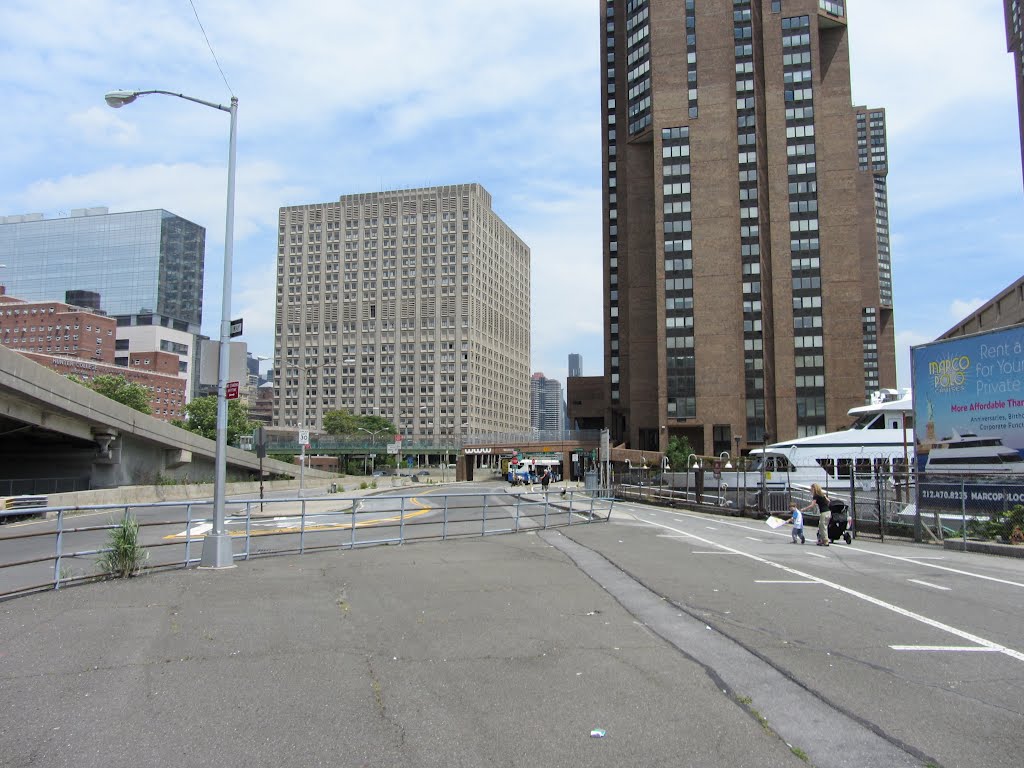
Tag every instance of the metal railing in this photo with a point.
(39, 485)
(171, 533)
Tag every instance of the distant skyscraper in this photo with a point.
(413, 305)
(144, 268)
(745, 293)
(1015, 44)
(575, 365)
(547, 407)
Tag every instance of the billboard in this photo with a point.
(969, 403)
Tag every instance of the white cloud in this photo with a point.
(904, 341)
(346, 97)
(961, 308)
(101, 124)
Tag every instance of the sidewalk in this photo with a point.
(477, 652)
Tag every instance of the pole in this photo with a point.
(302, 459)
(217, 544)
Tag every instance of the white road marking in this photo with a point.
(783, 581)
(669, 536)
(953, 648)
(913, 559)
(817, 554)
(710, 528)
(926, 584)
(751, 538)
(713, 552)
(962, 634)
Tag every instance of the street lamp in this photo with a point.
(217, 544)
(373, 438)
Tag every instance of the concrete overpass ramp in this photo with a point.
(52, 429)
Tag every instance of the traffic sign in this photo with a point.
(303, 437)
(236, 328)
(231, 390)
(393, 447)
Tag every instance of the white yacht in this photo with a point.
(880, 439)
(963, 452)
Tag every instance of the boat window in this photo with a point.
(865, 421)
(843, 467)
(829, 465)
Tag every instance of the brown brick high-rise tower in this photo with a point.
(747, 279)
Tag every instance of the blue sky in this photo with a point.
(337, 97)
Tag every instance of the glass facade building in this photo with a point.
(142, 267)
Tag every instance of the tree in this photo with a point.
(678, 453)
(201, 418)
(119, 389)
(344, 423)
(339, 423)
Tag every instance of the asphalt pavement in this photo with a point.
(572, 647)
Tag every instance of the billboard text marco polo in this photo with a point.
(950, 374)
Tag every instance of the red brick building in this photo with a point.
(74, 340)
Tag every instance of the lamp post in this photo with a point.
(217, 544)
(373, 439)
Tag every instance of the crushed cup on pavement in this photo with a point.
(597, 733)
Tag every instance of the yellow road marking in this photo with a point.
(320, 526)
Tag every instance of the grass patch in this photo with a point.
(124, 556)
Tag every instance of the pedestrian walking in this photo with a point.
(819, 499)
(797, 521)
(545, 479)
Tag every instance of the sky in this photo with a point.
(337, 98)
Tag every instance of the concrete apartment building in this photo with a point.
(143, 268)
(745, 294)
(413, 305)
(74, 340)
(1015, 45)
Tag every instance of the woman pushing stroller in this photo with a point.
(819, 499)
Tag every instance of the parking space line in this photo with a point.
(913, 559)
(933, 623)
(947, 648)
(927, 584)
(712, 552)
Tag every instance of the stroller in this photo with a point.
(840, 526)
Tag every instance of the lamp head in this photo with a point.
(118, 99)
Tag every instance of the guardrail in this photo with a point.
(171, 533)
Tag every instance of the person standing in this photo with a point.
(545, 479)
(819, 499)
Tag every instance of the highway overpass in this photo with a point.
(56, 435)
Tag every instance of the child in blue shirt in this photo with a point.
(797, 521)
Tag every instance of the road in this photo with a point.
(918, 645)
(173, 532)
(872, 654)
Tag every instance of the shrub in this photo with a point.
(125, 556)
(1007, 528)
